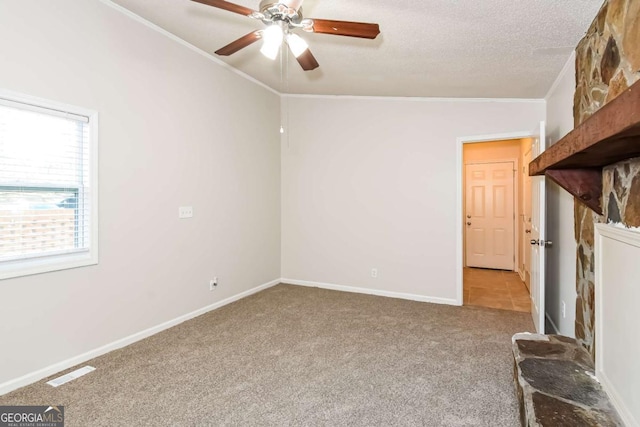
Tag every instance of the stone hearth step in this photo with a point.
(556, 384)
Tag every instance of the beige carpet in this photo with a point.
(293, 356)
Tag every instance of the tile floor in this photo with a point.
(495, 289)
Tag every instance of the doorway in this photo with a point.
(492, 222)
(491, 203)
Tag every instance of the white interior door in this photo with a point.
(490, 219)
(538, 219)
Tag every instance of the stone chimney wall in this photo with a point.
(607, 63)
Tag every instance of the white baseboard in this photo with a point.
(368, 291)
(617, 401)
(33, 377)
(553, 325)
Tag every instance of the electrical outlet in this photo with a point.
(374, 273)
(564, 310)
(185, 212)
(213, 284)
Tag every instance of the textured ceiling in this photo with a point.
(427, 48)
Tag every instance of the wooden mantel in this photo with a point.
(611, 135)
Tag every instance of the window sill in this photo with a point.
(28, 267)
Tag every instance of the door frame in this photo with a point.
(460, 195)
(516, 195)
(525, 241)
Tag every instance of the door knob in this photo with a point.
(468, 223)
(527, 231)
(535, 242)
(468, 216)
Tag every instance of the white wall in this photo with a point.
(371, 183)
(617, 250)
(561, 258)
(175, 129)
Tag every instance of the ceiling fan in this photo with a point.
(282, 17)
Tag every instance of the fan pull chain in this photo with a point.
(281, 87)
(286, 105)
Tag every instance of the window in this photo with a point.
(48, 183)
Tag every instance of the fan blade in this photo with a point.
(307, 61)
(346, 28)
(241, 43)
(231, 7)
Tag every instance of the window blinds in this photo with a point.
(45, 188)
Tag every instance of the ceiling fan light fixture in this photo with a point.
(297, 44)
(282, 17)
(272, 36)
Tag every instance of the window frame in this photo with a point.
(69, 259)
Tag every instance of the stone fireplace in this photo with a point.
(556, 379)
(607, 63)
